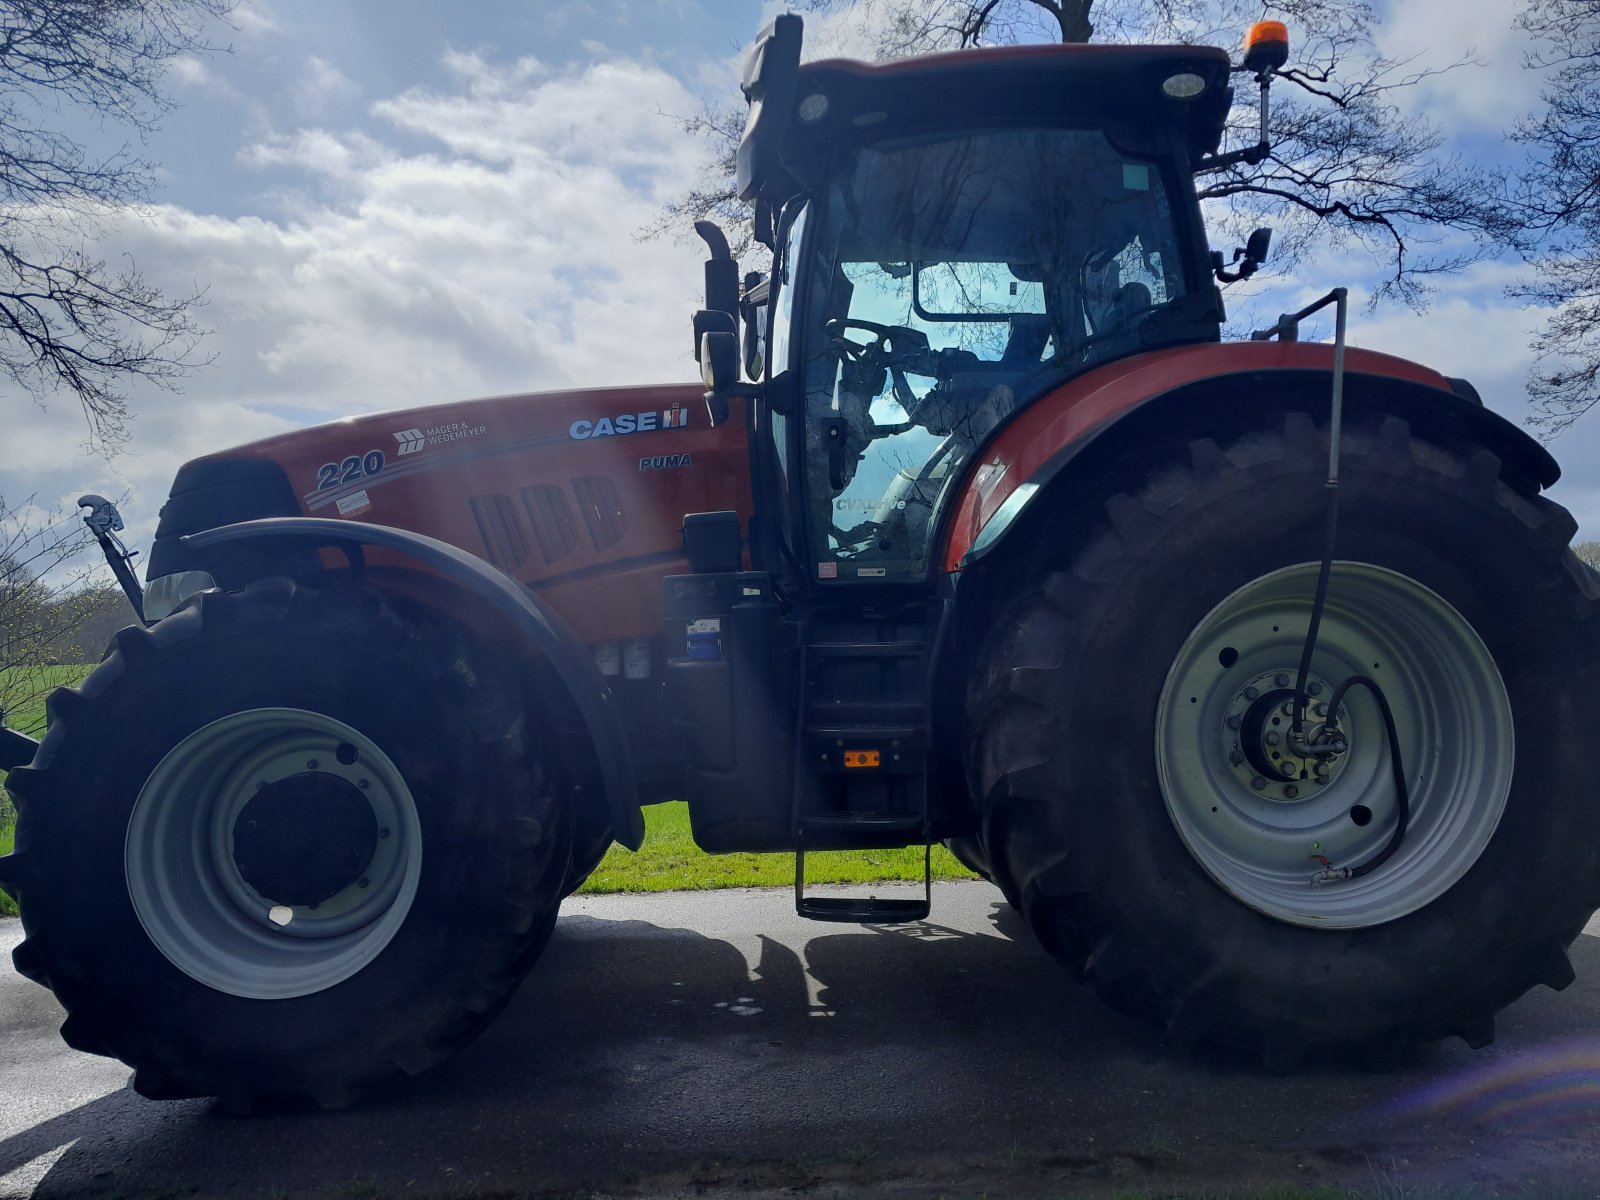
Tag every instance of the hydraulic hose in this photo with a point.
(1340, 299)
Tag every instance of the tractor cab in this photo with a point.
(953, 237)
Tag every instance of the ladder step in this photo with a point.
(853, 732)
(864, 911)
(867, 649)
(874, 822)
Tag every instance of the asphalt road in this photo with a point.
(715, 1044)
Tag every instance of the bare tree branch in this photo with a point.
(1561, 197)
(68, 320)
(1350, 170)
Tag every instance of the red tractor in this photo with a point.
(1258, 676)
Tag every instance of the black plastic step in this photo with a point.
(868, 911)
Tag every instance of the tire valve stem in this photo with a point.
(1329, 872)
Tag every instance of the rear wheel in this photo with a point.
(286, 844)
(1138, 793)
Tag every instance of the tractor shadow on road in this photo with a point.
(637, 1048)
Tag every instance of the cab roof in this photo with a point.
(1101, 85)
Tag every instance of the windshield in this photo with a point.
(948, 276)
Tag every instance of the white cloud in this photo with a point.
(187, 70)
(319, 84)
(1486, 97)
(254, 18)
(501, 257)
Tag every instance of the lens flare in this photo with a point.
(1553, 1088)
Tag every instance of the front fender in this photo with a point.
(542, 629)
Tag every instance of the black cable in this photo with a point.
(1401, 796)
(1331, 529)
(1319, 602)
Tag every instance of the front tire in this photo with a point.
(287, 844)
(1173, 872)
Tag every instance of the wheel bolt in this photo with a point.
(1251, 693)
(1281, 679)
(1321, 710)
(1236, 758)
(1288, 708)
(1235, 721)
(1313, 688)
(311, 764)
(1290, 791)
(1258, 783)
(1321, 770)
(1271, 739)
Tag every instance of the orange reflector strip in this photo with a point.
(863, 758)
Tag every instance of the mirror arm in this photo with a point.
(1251, 155)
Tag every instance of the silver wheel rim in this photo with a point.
(1259, 837)
(193, 897)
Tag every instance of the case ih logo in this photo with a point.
(675, 417)
(411, 440)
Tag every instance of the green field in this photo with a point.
(28, 717)
(670, 861)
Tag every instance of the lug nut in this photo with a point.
(1235, 721)
(1321, 710)
(1281, 679)
(1290, 791)
(1258, 783)
(1288, 708)
(1313, 688)
(1271, 739)
(1321, 770)
(1236, 758)
(1251, 693)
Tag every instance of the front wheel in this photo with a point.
(1141, 797)
(289, 843)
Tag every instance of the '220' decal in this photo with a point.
(351, 470)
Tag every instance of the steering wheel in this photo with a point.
(894, 350)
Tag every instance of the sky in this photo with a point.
(395, 204)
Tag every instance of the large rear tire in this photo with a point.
(1170, 865)
(287, 844)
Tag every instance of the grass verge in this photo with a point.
(671, 862)
(34, 684)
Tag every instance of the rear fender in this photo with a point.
(540, 629)
(1092, 463)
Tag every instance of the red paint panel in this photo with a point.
(1055, 421)
(580, 495)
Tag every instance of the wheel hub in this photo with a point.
(1255, 735)
(304, 839)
